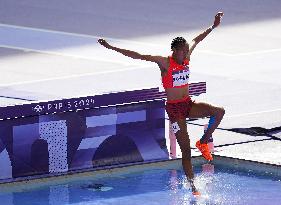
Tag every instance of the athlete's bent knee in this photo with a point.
(220, 111)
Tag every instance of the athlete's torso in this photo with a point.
(175, 80)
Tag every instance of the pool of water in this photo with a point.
(218, 185)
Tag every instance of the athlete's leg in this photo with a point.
(180, 130)
(199, 110)
(211, 122)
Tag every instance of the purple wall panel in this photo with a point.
(88, 132)
(90, 138)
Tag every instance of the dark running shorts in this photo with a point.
(179, 110)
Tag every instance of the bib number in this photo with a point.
(180, 77)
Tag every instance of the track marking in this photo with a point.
(66, 55)
(72, 34)
(253, 113)
(257, 52)
(75, 76)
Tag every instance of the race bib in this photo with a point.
(180, 77)
(175, 127)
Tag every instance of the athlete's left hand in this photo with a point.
(217, 20)
(103, 43)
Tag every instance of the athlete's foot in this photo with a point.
(204, 149)
(195, 192)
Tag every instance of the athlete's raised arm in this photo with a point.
(160, 60)
(201, 36)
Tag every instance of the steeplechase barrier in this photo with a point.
(43, 138)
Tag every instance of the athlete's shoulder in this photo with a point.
(163, 63)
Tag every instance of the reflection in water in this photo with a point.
(96, 187)
(59, 195)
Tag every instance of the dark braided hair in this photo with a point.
(178, 41)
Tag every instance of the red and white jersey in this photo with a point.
(177, 75)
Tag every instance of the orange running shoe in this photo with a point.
(204, 149)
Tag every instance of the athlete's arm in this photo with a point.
(132, 54)
(203, 35)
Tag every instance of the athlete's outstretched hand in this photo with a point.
(217, 20)
(103, 43)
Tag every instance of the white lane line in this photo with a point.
(93, 37)
(47, 31)
(75, 76)
(78, 46)
(258, 52)
(25, 49)
(72, 34)
(253, 113)
(66, 55)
